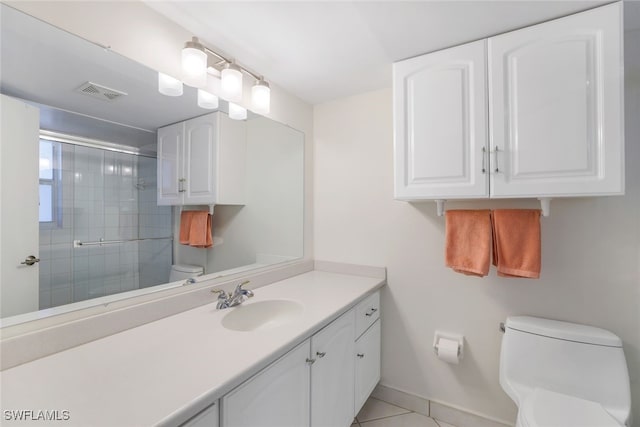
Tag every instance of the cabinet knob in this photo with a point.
(321, 354)
(360, 355)
(310, 361)
(30, 260)
(370, 313)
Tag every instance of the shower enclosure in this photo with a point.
(101, 231)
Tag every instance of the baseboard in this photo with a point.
(434, 409)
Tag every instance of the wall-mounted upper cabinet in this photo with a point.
(544, 120)
(201, 161)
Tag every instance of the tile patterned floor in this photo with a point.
(376, 413)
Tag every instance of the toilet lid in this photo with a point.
(545, 408)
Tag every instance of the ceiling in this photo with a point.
(323, 50)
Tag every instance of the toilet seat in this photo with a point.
(545, 408)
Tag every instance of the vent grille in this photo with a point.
(104, 93)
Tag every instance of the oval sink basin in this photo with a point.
(262, 315)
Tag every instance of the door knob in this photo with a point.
(30, 260)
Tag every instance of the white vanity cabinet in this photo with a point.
(544, 120)
(201, 161)
(323, 382)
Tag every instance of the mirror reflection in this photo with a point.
(108, 222)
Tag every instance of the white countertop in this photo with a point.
(166, 371)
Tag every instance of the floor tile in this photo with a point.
(406, 420)
(374, 409)
(443, 424)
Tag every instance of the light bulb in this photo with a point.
(169, 86)
(207, 100)
(231, 83)
(194, 64)
(236, 112)
(261, 97)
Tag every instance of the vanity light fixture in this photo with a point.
(194, 63)
(236, 112)
(207, 100)
(215, 75)
(169, 86)
(261, 96)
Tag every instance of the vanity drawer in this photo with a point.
(367, 312)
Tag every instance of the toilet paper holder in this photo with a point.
(448, 336)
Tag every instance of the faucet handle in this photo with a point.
(221, 293)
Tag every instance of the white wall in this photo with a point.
(590, 267)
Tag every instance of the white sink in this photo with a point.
(262, 315)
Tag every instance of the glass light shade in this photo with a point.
(169, 86)
(236, 112)
(261, 97)
(207, 100)
(194, 66)
(231, 83)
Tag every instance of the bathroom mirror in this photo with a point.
(99, 115)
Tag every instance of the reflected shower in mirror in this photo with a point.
(102, 235)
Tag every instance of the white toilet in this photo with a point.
(564, 375)
(184, 271)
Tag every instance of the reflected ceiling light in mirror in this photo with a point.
(169, 86)
(194, 63)
(236, 112)
(207, 100)
(231, 82)
(261, 97)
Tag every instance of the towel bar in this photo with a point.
(545, 206)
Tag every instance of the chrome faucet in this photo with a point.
(231, 300)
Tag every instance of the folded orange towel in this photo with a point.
(186, 217)
(516, 242)
(195, 229)
(468, 241)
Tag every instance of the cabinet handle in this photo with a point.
(321, 354)
(310, 361)
(495, 152)
(484, 157)
(373, 310)
(181, 185)
(360, 355)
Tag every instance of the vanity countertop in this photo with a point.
(165, 372)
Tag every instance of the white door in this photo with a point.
(332, 373)
(367, 364)
(278, 396)
(200, 159)
(440, 124)
(556, 107)
(169, 169)
(19, 235)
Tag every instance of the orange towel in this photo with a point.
(516, 242)
(200, 234)
(468, 241)
(195, 229)
(186, 217)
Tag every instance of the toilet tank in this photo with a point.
(577, 360)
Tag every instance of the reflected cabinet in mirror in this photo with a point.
(84, 220)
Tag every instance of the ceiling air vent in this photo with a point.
(104, 93)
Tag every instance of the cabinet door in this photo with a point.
(278, 396)
(169, 166)
(367, 365)
(556, 107)
(332, 374)
(200, 159)
(440, 124)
